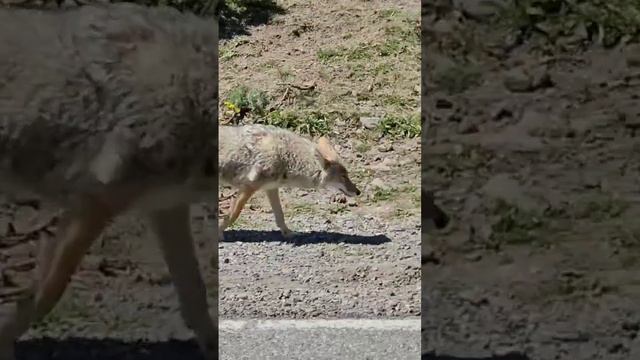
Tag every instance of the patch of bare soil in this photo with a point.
(533, 151)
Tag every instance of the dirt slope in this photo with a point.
(532, 149)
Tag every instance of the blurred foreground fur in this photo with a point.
(106, 109)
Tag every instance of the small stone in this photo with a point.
(370, 122)
(378, 183)
(632, 55)
(475, 9)
(385, 148)
(502, 110)
(474, 257)
(518, 81)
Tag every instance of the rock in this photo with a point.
(501, 110)
(370, 122)
(444, 26)
(379, 167)
(475, 256)
(25, 219)
(632, 55)
(476, 9)
(378, 183)
(541, 79)
(518, 81)
(631, 120)
(509, 352)
(385, 148)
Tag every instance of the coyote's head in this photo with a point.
(334, 174)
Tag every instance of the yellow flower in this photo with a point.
(231, 106)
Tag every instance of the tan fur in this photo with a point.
(327, 150)
(265, 158)
(130, 141)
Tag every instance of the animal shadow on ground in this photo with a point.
(306, 238)
(105, 349)
(236, 16)
(503, 357)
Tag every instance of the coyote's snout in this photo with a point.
(260, 157)
(106, 109)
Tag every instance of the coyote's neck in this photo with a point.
(303, 171)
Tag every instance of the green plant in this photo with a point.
(242, 100)
(312, 123)
(380, 194)
(607, 21)
(514, 225)
(400, 126)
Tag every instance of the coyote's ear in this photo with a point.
(324, 163)
(326, 150)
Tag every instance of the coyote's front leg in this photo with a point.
(276, 207)
(57, 263)
(173, 230)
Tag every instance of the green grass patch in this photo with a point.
(514, 225)
(599, 209)
(241, 8)
(398, 40)
(302, 209)
(380, 194)
(362, 147)
(242, 99)
(605, 21)
(360, 52)
(313, 123)
(400, 126)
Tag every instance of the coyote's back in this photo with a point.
(101, 96)
(274, 151)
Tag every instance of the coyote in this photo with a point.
(262, 157)
(106, 110)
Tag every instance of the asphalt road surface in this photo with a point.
(320, 339)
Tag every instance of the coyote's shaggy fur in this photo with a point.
(106, 109)
(260, 157)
